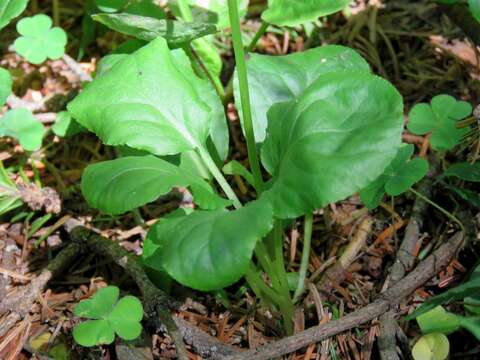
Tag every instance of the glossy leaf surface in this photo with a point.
(66, 126)
(39, 40)
(147, 28)
(209, 250)
(293, 13)
(147, 102)
(10, 9)
(332, 141)
(438, 320)
(274, 79)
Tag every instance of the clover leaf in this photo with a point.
(431, 347)
(40, 41)
(440, 118)
(398, 177)
(22, 125)
(109, 316)
(5, 85)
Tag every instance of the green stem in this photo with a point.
(439, 208)
(212, 167)
(307, 240)
(56, 12)
(244, 94)
(185, 11)
(261, 31)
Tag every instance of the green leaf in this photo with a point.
(274, 79)
(469, 288)
(438, 320)
(398, 177)
(334, 140)
(145, 28)
(99, 305)
(472, 304)
(40, 41)
(66, 126)
(110, 316)
(126, 316)
(470, 196)
(111, 5)
(209, 250)
(474, 6)
(472, 324)
(431, 347)
(440, 118)
(465, 171)
(6, 83)
(22, 125)
(293, 13)
(141, 102)
(235, 168)
(93, 332)
(145, 8)
(120, 185)
(10, 9)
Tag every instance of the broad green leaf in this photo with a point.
(293, 13)
(468, 288)
(274, 79)
(210, 57)
(235, 168)
(146, 28)
(440, 118)
(398, 177)
(472, 303)
(99, 305)
(438, 320)
(332, 141)
(10, 9)
(474, 6)
(470, 196)
(39, 40)
(22, 125)
(120, 185)
(145, 8)
(146, 102)
(111, 5)
(93, 332)
(66, 126)
(126, 316)
(472, 324)
(465, 171)
(209, 250)
(431, 347)
(6, 83)
(215, 11)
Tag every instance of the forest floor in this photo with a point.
(411, 43)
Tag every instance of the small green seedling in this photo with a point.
(431, 347)
(39, 40)
(440, 118)
(398, 177)
(10, 197)
(293, 13)
(10, 9)
(109, 316)
(22, 125)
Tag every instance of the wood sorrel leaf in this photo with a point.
(293, 13)
(39, 40)
(209, 250)
(146, 102)
(274, 79)
(93, 332)
(440, 118)
(10, 9)
(147, 28)
(99, 305)
(5, 85)
(397, 178)
(333, 140)
(126, 316)
(120, 185)
(22, 125)
(431, 347)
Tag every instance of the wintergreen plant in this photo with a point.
(326, 135)
(108, 316)
(39, 40)
(441, 119)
